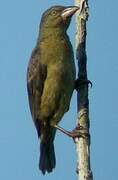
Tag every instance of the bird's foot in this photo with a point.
(77, 132)
(79, 82)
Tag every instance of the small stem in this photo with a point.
(82, 144)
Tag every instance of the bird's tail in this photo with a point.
(47, 155)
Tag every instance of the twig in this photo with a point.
(82, 143)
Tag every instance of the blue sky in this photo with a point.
(19, 146)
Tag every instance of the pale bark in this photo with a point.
(82, 143)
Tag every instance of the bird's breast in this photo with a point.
(54, 50)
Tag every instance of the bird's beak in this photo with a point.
(69, 11)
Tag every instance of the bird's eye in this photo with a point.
(54, 12)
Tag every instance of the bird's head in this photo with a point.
(58, 17)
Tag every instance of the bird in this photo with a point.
(51, 77)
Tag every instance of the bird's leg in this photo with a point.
(63, 130)
(77, 132)
(79, 82)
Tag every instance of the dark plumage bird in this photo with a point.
(50, 79)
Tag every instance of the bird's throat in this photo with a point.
(51, 33)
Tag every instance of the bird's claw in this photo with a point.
(79, 131)
(79, 82)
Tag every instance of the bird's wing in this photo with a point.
(36, 75)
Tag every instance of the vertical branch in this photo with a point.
(82, 143)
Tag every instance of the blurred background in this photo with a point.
(19, 146)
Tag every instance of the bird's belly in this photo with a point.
(58, 89)
(62, 76)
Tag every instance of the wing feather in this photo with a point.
(36, 75)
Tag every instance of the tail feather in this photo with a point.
(47, 157)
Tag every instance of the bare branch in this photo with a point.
(82, 143)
